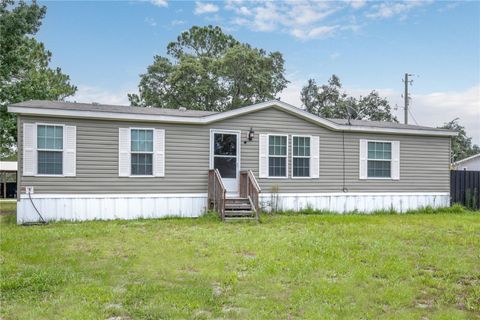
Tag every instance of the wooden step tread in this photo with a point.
(240, 219)
(237, 203)
(239, 213)
(237, 206)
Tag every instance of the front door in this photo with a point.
(225, 156)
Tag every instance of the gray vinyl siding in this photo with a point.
(424, 160)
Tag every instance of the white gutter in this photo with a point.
(466, 159)
(217, 117)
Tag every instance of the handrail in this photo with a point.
(219, 177)
(254, 180)
(249, 188)
(217, 192)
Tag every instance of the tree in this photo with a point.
(24, 67)
(210, 70)
(462, 146)
(329, 101)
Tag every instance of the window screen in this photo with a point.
(277, 156)
(379, 159)
(50, 149)
(141, 152)
(301, 156)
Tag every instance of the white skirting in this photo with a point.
(56, 207)
(349, 202)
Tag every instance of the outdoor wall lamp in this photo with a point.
(250, 135)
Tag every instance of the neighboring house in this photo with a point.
(89, 161)
(471, 163)
(8, 172)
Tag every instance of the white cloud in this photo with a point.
(202, 7)
(291, 94)
(391, 9)
(160, 3)
(431, 109)
(266, 17)
(297, 18)
(448, 6)
(151, 22)
(304, 14)
(177, 22)
(244, 11)
(88, 94)
(358, 4)
(318, 32)
(309, 19)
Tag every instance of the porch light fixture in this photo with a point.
(250, 135)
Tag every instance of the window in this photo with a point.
(50, 149)
(379, 159)
(277, 156)
(301, 156)
(141, 152)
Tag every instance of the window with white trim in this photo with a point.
(50, 149)
(300, 156)
(141, 152)
(379, 162)
(277, 156)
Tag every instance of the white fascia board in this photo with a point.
(101, 115)
(221, 116)
(399, 131)
(467, 159)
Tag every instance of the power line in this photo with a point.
(409, 111)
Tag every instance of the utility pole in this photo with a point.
(405, 95)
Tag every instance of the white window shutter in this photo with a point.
(124, 152)
(29, 149)
(263, 156)
(315, 157)
(363, 159)
(396, 160)
(69, 151)
(159, 153)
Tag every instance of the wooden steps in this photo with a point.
(239, 209)
(244, 207)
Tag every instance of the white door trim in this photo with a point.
(238, 156)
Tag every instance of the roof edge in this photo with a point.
(466, 159)
(36, 111)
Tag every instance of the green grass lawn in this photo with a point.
(8, 206)
(424, 266)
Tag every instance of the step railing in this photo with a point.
(217, 193)
(249, 188)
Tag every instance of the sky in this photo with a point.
(105, 46)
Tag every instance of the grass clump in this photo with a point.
(454, 209)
